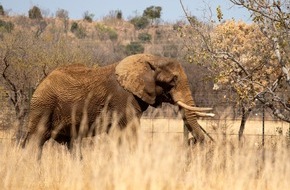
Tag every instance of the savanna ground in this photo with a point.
(162, 163)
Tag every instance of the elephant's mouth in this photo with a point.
(164, 97)
(167, 97)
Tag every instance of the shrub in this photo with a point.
(34, 13)
(88, 16)
(158, 35)
(119, 15)
(79, 31)
(134, 48)
(113, 35)
(6, 26)
(152, 12)
(62, 14)
(74, 27)
(140, 22)
(144, 37)
(106, 32)
(2, 10)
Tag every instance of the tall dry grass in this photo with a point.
(160, 164)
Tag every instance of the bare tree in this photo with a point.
(16, 71)
(63, 16)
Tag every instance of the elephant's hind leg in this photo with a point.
(41, 143)
(39, 130)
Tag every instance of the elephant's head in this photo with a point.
(157, 79)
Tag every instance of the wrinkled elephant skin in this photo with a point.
(71, 94)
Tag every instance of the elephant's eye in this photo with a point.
(173, 81)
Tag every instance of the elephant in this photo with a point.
(71, 93)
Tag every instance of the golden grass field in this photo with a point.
(163, 163)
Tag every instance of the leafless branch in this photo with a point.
(11, 85)
(276, 112)
(260, 11)
(204, 38)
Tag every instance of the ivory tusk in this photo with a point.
(201, 114)
(195, 109)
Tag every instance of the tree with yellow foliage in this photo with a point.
(251, 59)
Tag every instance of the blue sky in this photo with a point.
(171, 9)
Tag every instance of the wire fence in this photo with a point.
(174, 127)
(167, 120)
(154, 127)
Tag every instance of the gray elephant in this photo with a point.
(71, 94)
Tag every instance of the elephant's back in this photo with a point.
(72, 72)
(82, 72)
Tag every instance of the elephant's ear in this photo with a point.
(136, 74)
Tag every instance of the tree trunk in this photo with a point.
(245, 116)
(20, 117)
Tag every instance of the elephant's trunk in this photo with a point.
(190, 119)
(183, 98)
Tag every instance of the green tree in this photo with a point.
(34, 13)
(140, 22)
(88, 16)
(152, 12)
(119, 15)
(2, 13)
(78, 30)
(144, 37)
(6, 26)
(74, 27)
(134, 48)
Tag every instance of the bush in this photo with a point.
(78, 30)
(74, 27)
(119, 15)
(2, 10)
(158, 35)
(62, 14)
(88, 16)
(144, 37)
(35, 13)
(152, 12)
(6, 26)
(113, 35)
(134, 48)
(106, 32)
(81, 33)
(140, 22)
